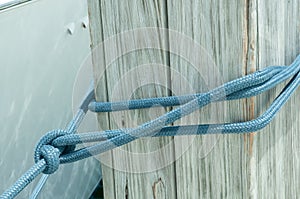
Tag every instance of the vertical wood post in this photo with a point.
(235, 38)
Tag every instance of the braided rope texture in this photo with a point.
(58, 146)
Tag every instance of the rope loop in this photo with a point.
(58, 146)
(51, 153)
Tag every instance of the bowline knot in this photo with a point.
(50, 153)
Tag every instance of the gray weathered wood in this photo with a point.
(276, 159)
(213, 166)
(117, 17)
(96, 40)
(239, 37)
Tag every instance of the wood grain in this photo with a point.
(122, 181)
(213, 166)
(100, 85)
(235, 39)
(276, 148)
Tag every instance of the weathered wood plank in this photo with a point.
(239, 37)
(122, 181)
(220, 27)
(276, 148)
(100, 85)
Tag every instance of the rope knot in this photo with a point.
(51, 156)
(50, 153)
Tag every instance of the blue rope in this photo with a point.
(254, 89)
(58, 146)
(30, 175)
